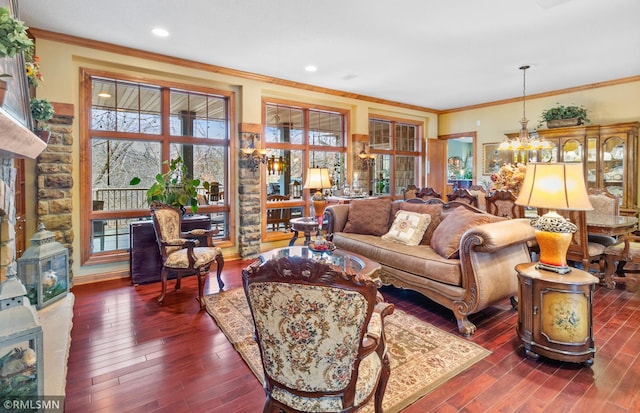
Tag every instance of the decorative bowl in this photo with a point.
(327, 247)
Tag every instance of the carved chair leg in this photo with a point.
(163, 278)
(202, 276)
(178, 280)
(220, 262)
(382, 384)
(610, 268)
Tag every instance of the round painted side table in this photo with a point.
(555, 314)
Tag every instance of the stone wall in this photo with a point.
(248, 198)
(54, 183)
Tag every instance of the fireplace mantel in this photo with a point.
(16, 140)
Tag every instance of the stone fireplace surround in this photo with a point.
(56, 319)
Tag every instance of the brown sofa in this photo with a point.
(465, 260)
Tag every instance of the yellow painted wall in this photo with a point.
(612, 104)
(61, 64)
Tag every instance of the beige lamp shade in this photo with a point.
(317, 178)
(554, 186)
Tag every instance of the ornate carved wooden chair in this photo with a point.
(503, 204)
(428, 193)
(180, 255)
(321, 335)
(463, 195)
(604, 203)
(481, 193)
(410, 192)
(618, 256)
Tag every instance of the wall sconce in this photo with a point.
(253, 155)
(366, 159)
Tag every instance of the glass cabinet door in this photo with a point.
(592, 163)
(572, 151)
(613, 171)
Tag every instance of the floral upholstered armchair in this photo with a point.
(182, 255)
(321, 335)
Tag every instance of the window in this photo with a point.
(133, 129)
(302, 137)
(398, 153)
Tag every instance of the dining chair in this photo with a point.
(604, 203)
(589, 253)
(627, 251)
(410, 192)
(277, 216)
(320, 333)
(502, 203)
(428, 193)
(180, 252)
(463, 195)
(481, 193)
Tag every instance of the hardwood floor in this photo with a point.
(128, 354)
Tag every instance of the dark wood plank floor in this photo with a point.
(128, 354)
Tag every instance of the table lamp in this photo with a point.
(318, 179)
(554, 186)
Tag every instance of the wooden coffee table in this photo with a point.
(340, 258)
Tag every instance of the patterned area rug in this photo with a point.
(422, 356)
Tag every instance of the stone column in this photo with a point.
(249, 196)
(54, 169)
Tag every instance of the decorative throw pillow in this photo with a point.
(446, 237)
(368, 216)
(408, 228)
(431, 209)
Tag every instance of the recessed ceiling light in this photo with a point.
(160, 32)
(104, 94)
(311, 68)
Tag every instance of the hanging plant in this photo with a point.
(13, 35)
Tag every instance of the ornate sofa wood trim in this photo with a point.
(486, 267)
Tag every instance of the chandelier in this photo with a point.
(524, 141)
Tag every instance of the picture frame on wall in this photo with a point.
(492, 158)
(16, 100)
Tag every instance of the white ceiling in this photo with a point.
(439, 54)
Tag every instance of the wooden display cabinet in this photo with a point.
(609, 154)
(555, 314)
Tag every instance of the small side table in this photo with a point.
(307, 225)
(555, 314)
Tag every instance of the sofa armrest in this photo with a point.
(336, 216)
(488, 256)
(496, 235)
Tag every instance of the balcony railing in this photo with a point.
(118, 199)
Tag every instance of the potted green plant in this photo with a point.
(41, 112)
(13, 40)
(173, 187)
(561, 115)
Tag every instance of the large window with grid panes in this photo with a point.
(298, 137)
(134, 129)
(398, 149)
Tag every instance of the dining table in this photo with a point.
(611, 225)
(603, 224)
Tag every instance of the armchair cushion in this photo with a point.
(446, 237)
(369, 216)
(203, 255)
(408, 228)
(368, 373)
